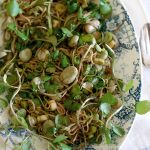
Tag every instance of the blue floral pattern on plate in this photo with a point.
(127, 67)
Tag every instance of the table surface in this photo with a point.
(139, 135)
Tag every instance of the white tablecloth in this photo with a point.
(139, 135)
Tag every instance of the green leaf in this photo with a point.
(51, 88)
(105, 8)
(107, 136)
(58, 121)
(14, 121)
(128, 86)
(87, 38)
(109, 98)
(66, 32)
(55, 54)
(34, 87)
(13, 8)
(21, 35)
(21, 112)
(11, 26)
(23, 122)
(120, 84)
(80, 13)
(52, 130)
(68, 104)
(3, 103)
(143, 107)
(118, 130)
(26, 145)
(11, 79)
(37, 102)
(75, 106)
(64, 61)
(51, 69)
(46, 78)
(76, 91)
(71, 105)
(98, 83)
(60, 138)
(61, 121)
(72, 7)
(65, 147)
(95, 14)
(53, 40)
(105, 108)
(3, 88)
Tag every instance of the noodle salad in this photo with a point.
(57, 71)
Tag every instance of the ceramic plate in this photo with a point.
(127, 67)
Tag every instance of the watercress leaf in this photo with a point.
(68, 104)
(76, 91)
(46, 78)
(34, 87)
(75, 106)
(11, 26)
(51, 88)
(52, 130)
(64, 61)
(105, 108)
(55, 54)
(21, 112)
(80, 13)
(21, 35)
(92, 6)
(109, 98)
(120, 84)
(3, 88)
(3, 103)
(37, 102)
(128, 86)
(98, 83)
(58, 121)
(87, 38)
(107, 136)
(53, 40)
(65, 120)
(61, 121)
(26, 145)
(72, 7)
(60, 138)
(13, 8)
(23, 122)
(143, 107)
(14, 121)
(105, 8)
(58, 32)
(65, 147)
(118, 130)
(95, 14)
(66, 32)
